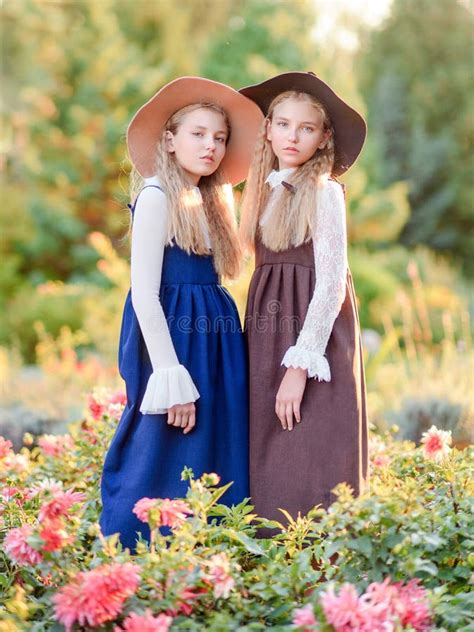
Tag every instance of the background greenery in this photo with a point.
(75, 72)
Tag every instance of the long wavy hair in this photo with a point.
(292, 216)
(187, 211)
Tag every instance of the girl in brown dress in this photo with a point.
(308, 421)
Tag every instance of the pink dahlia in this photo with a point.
(54, 536)
(345, 611)
(17, 547)
(143, 507)
(118, 398)
(145, 623)
(96, 408)
(378, 452)
(413, 607)
(92, 598)
(60, 504)
(173, 512)
(5, 447)
(436, 444)
(219, 575)
(304, 617)
(55, 445)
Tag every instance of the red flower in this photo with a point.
(436, 444)
(54, 536)
(96, 408)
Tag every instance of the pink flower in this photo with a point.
(413, 606)
(304, 617)
(118, 398)
(162, 512)
(47, 485)
(145, 623)
(383, 607)
(60, 505)
(344, 611)
(17, 547)
(436, 444)
(17, 463)
(114, 410)
(378, 452)
(143, 507)
(54, 536)
(55, 445)
(5, 447)
(8, 493)
(173, 512)
(92, 598)
(219, 575)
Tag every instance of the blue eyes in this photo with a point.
(306, 129)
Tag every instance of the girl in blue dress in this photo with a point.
(181, 350)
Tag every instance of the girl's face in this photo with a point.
(199, 143)
(296, 132)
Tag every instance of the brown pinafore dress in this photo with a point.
(295, 470)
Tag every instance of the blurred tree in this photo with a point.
(416, 76)
(261, 38)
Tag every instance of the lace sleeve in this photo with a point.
(330, 256)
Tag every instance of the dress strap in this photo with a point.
(154, 186)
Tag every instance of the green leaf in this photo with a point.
(362, 544)
(250, 544)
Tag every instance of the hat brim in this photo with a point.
(146, 127)
(350, 128)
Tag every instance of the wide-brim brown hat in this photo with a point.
(147, 125)
(350, 128)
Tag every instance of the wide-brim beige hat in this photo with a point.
(147, 125)
(350, 128)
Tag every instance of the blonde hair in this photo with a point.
(293, 211)
(186, 210)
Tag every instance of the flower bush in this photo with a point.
(399, 557)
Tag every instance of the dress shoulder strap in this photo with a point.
(147, 186)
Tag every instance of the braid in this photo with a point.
(256, 190)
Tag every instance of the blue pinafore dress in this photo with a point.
(146, 455)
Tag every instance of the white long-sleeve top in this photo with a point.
(330, 261)
(170, 382)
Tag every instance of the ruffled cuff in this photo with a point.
(313, 361)
(167, 387)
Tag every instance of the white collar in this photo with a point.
(277, 177)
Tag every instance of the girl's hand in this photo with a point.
(182, 416)
(289, 397)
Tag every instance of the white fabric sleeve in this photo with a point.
(330, 259)
(170, 382)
